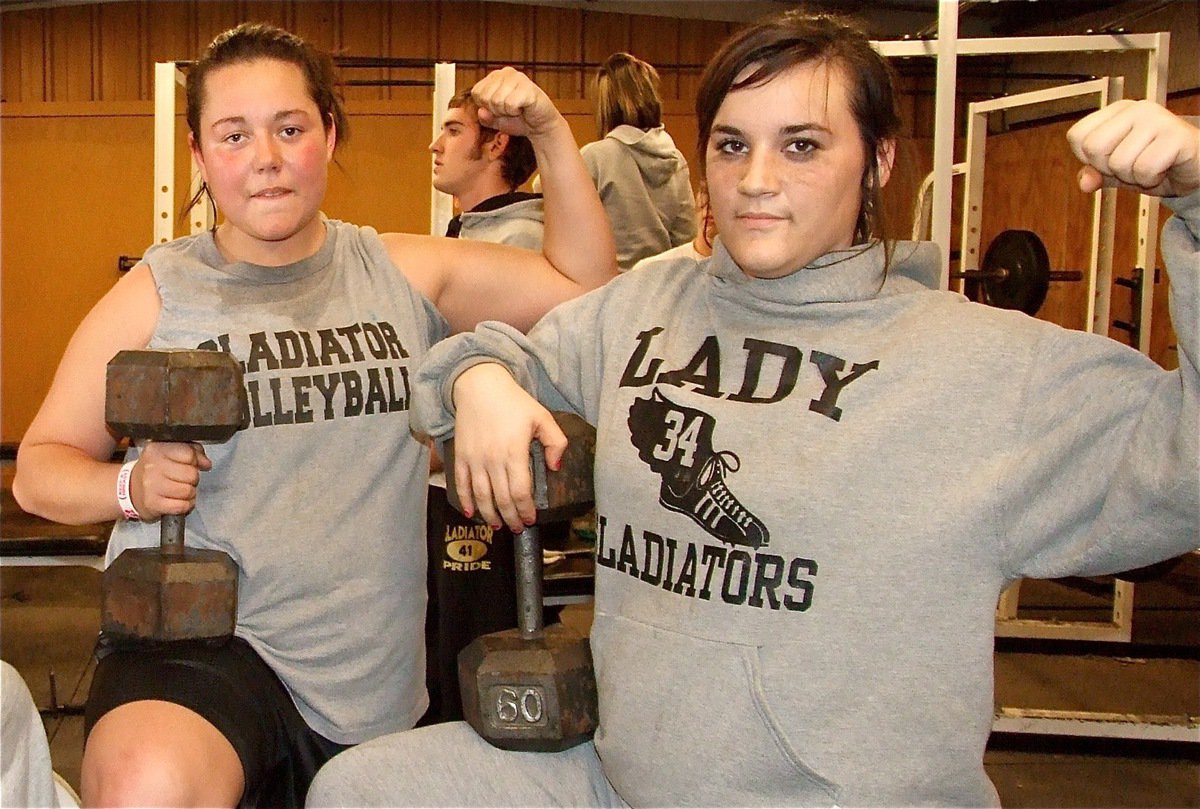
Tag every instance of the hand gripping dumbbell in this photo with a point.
(172, 592)
(533, 688)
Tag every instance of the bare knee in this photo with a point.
(158, 754)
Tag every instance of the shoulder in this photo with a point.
(197, 245)
(683, 256)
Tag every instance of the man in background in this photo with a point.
(482, 168)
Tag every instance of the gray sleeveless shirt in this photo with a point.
(320, 498)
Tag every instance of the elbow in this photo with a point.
(22, 495)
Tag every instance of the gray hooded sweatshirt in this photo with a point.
(810, 492)
(521, 224)
(644, 184)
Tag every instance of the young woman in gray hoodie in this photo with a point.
(815, 471)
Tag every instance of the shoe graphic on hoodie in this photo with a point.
(676, 442)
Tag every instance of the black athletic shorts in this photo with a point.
(234, 689)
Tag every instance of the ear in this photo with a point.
(330, 140)
(885, 158)
(197, 156)
(497, 145)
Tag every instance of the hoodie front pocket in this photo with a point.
(686, 721)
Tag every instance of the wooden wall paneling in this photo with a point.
(209, 20)
(914, 160)
(1124, 260)
(364, 34)
(656, 40)
(460, 38)
(412, 34)
(603, 35)
(25, 60)
(680, 121)
(1029, 185)
(318, 23)
(557, 37)
(61, 244)
(168, 39)
(382, 176)
(507, 35)
(121, 49)
(698, 41)
(70, 53)
(275, 12)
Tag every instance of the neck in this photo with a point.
(482, 190)
(238, 246)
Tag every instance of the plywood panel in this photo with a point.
(70, 54)
(60, 240)
(24, 55)
(656, 40)
(364, 33)
(168, 35)
(558, 37)
(209, 20)
(1029, 185)
(268, 11)
(384, 174)
(318, 23)
(121, 51)
(603, 35)
(460, 38)
(507, 35)
(698, 41)
(412, 34)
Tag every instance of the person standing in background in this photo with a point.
(699, 248)
(642, 178)
(482, 168)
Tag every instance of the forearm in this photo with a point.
(64, 484)
(1181, 253)
(578, 239)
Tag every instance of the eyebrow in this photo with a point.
(239, 120)
(791, 129)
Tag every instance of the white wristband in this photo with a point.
(123, 498)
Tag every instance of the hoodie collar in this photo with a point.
(853, 274)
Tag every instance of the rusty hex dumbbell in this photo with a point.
(533, 688)
(172, 592)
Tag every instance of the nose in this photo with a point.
(759, 177)
(435, 145)
(267, 154)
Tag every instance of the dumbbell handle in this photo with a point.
(527, 547)
(171, 533)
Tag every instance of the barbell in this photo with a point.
(1015, 272)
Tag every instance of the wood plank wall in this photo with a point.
(76, 123)
(106, 51)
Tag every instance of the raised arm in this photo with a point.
(472, 281)
(1140, 145)
(1120, 489)
(64, 472)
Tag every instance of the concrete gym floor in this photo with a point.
(49, 617)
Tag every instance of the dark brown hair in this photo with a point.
(518, 163)
(793, 38)
(627, 93)
(249, 42)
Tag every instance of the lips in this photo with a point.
(757, 219)
(271, 193)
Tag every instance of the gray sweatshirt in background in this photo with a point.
(644, 184)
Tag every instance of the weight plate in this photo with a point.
(1023, 255)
